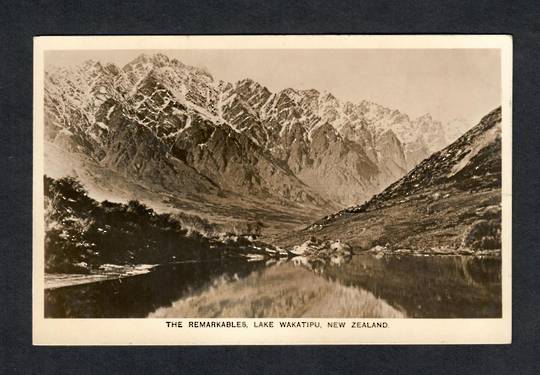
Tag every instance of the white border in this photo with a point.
(153, 331)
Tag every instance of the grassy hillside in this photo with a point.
(461, 221)
(449, 203)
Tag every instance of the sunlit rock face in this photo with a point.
(450, 203)
(173, 126)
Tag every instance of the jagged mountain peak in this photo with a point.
(328, 96)
(144, 63)
(470, 165)
(425, 117)
(471, 162)
(304, 131)
(251, 91)
(290, 94)
(311, 93)
(157, 59)
(249, 83)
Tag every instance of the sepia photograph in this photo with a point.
(277, 182)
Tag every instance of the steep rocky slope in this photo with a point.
(160, 138)
(449, 202)
(172, 128)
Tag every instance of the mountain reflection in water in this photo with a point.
(363, 287)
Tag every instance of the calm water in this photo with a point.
(363, 286)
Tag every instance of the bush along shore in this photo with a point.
(107, 240)
(83, 236)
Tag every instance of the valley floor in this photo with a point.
(229, 212)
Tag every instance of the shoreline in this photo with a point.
(109, 272)
(117, 272)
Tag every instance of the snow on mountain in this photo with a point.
(471, 163)
(173, 125)
(450, 203)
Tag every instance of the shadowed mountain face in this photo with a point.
(450, 201)
(172, 128)
(471, 163)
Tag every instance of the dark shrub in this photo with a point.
(81, 234)
(483, 235)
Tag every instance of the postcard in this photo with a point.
(276, 190)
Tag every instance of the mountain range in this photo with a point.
(450, 202)
(172, 128)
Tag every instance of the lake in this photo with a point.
(364, 286)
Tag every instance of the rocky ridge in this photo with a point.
(450, 202)
(174, 127)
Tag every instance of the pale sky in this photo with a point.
(448, 83)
